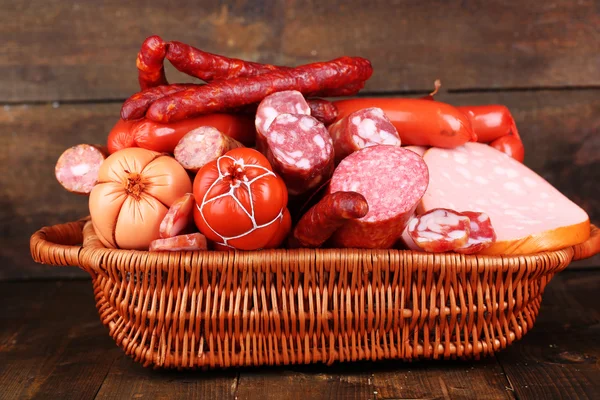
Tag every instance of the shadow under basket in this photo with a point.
(222, 309)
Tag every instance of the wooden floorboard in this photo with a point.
(53, 344)
(56, 50)
(560, 357)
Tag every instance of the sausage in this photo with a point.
(360, 129)
(439, 230)
(135, 107)
(201, 146)
(495, 125)
(286, 102)
(481, 235)
(164, 137)
(189, 242)
(77, 167)
(300, 150)
(121, 136)
(323, 110)
(284, 230)
(392, 180)
(213, 67)
(309, 79)
(179, 217)
(418, 121)
(320, 222)
(150, 63)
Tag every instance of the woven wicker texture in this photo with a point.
(218, 309)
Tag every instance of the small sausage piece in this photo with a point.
(323, 110)
(418, 122)
(150, 63)
(510, 145)
(439, 230)
(286, 102)
(310, 80)
(482, 234)
(360, 129)
(77, 167)
(201, 146)
(300, 150)
(179, 217)
(328, 215)
(189, 242)
(393, 181)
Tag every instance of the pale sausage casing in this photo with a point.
(135, 189)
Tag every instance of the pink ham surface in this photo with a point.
(528, 214)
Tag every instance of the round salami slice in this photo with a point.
(439, 230)
(286, 102)
(482, 234)
(392, 180)
(77, 167)
(201, 146)
(362, 128)
(300, 150)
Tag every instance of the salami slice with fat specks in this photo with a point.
(77, 167)
(362, 128)
(439, 230)
(201, 146)
(482, 234)
(300, 150)
(286, 102)
(179, 217)
(392, 180)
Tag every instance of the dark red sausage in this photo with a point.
(136, 106)
(328, 215)
(150, 63)
(323, 110)
(217, 96)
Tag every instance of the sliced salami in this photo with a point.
(482, 234)
(190, 242)
(360, 129)
(286, 102)
(439, 230)
(77, 167)
(201, 146)
(392, 180)
(300, 150)
(179, 217)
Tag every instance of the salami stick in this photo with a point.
(323, 110)
(309, 80)
(136, 106)
(150, 63)
(328, 215)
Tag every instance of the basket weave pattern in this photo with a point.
(219, 309)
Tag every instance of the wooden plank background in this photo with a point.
(66, 67)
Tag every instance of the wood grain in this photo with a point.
(55, 50)
(560, 131)
(560, 356)
(52, 342)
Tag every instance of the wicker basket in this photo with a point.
(219, 309)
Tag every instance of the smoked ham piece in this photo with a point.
(528, 214)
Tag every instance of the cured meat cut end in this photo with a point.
(320, 222)
(439, 230)
(360, 129)
(286, 102)
(201, 146)
(528, 214)
(189, 242)
(77, 167)
(179, 217)
(300, 150)
(482, 234)
(323, 110)
(392, 180)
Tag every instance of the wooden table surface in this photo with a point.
(52, 345)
